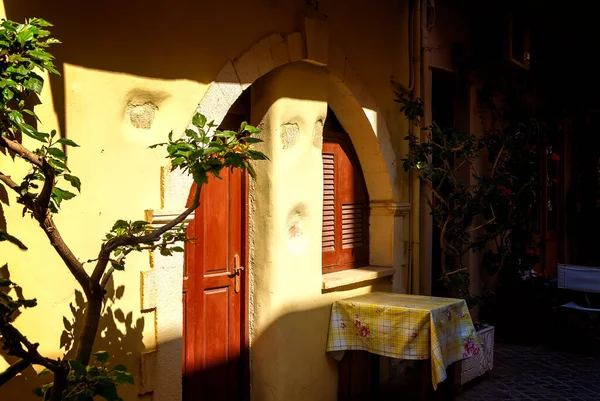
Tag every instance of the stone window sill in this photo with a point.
(353, 276)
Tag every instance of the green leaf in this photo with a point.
(77, 368)
(44, 372)
(15, 117)
(58, 153)
(212, 150)
(123, 377)
(74, 181)
(33, 133)
(34, 83)
(58, 195)
(250, 139)
(177, 161)
(8, 93)
(101, 356)
(251, 129)
(25, 36)
(57, 164)
(67, 142)
(32, 113)
(68, 195)
(108, 391)
(7, 237)
(40, 22)
(120, 368)
(177, 249)
(40, 54)
(199, 120)
(120, 224)
(117, 266)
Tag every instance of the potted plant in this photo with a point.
(480, 191)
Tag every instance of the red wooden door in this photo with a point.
(214, 299)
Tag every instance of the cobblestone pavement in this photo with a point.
(536, 373)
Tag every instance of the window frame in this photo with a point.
(349, 257)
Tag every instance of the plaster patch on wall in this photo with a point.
(289, 134)
(141, 115)
(295, 225)
(318, 135)
(253, 304)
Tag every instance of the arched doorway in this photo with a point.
(215, 360)
(341, 89)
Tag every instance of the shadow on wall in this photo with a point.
(152, 39)
(117, 333)
(299, 371)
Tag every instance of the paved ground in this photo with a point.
(536, 373)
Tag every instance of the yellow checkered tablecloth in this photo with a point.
(406, 327)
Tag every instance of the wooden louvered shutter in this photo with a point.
(345, 206)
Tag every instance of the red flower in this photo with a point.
(505, 191)
(471, 347)
(555, 157)
(555, 181)
(343, 325)
(414, 335)
(364, 332)
(357, 323)
(530, 252)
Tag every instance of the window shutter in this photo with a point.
(328, 202)
(345, 206)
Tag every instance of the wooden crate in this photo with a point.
(477, 365)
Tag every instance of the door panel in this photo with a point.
(213, 323)
(215, 355)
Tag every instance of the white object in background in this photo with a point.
(477, 365)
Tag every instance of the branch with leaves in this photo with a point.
(202, 151)
(484, 207)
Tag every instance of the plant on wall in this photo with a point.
(480, 192)
(201, 152)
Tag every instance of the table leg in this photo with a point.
(447, 390)
(426, 386)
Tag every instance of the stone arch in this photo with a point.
(373, 143)
(370, 136)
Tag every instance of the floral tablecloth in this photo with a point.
(406, 327)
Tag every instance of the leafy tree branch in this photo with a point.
(202, 151)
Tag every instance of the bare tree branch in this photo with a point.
(44, 218)
(21, 151)
(43, 199)
(30, 353)
(65, 253)
(6, 179)
(106, 277)
(111, 245)
(13, 370)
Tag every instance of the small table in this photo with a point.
(405, 327)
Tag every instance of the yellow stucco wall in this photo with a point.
(289, 312)
(117, 56)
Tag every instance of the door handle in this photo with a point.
(237, 269)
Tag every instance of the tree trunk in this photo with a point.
(60, 383)
(90, 327)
